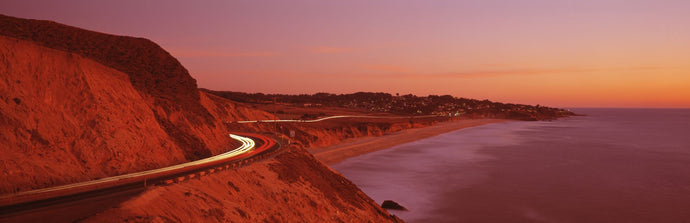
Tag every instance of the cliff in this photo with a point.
(77, 105)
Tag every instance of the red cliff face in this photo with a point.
(152, 72)
(75, 106)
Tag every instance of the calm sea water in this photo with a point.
(614, 165)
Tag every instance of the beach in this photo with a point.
(613, 165)
(358, 146)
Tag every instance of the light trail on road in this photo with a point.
(334, 117)
(247, 145)
(67, 203)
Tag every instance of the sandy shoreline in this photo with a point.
(358, 146)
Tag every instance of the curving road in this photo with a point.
(73, 201)
(247, 149)
(22, 203)
(337, 116)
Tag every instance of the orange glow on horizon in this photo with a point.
(590, 54)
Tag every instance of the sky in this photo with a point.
(586, 53)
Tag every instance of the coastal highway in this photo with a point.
(335, 117)
(27, 205)
(70, 202)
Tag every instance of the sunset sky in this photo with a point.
(587, 53)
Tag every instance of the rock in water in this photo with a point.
(392, 205)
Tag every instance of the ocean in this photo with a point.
(613, 165)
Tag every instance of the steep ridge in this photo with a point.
(66, 118)
(69, 113)
(152, 71)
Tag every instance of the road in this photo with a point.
(71, 202)
(26, 206)
(336, 116)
